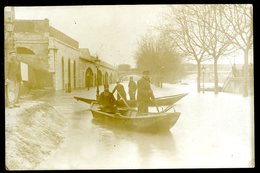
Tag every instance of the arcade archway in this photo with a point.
(99, 77)
(106, 78)
(89, 78)
(110, 78)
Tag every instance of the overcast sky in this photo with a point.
(111, 32)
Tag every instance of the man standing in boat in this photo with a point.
(120, 91)
(132, 88)
(107, 100)
(144, 93)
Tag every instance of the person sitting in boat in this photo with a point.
(144, 93)
(107, 100)
(120, 91)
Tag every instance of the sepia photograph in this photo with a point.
(92, 87)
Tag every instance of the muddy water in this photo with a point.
(213, 131)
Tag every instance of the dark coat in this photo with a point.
(120, 89)
(14, 71)
(107, 102)
(132, 87)
(107, 99)
(144, 91)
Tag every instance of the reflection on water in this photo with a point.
(148, 145)
(152, 140)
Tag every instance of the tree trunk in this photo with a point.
(198, 76)
(215, 75)
(245, 73)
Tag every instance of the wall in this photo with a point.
(49, 47)
(82, 72)
(65, 51)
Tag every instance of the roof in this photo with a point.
(41, 27)
(85, 54)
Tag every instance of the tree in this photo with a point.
(181, 29)
(216, 44)
(194, 29)
(237, 25)
(161, 60)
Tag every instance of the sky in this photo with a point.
(111, 32)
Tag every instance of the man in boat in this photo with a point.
(144, 93)
(120, 91)
(132, 88)
(107, 100)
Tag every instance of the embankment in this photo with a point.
(32, 132)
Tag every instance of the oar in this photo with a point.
(155, 102)
(128, 107)
(168, 108)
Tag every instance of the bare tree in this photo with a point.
(199, 33)
(215, 43)
(183, 31)
(237, 25)
(155, 55)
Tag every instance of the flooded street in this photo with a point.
(212, 131)
(167, 52)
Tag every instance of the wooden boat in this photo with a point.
(127, 116)
(159, 101)
(132, 120)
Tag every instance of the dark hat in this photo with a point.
(146, 72)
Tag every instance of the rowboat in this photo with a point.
(132, 120)
(127, 117)
(159, 101)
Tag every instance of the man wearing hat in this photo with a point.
(13, 79)
(132, 88)
(120, 91)
(107, 100)
(144, 93)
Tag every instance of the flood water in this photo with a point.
(212, 131)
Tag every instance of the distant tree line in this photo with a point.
(163, 62)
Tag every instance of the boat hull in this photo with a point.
(146, 123)
(160, 101)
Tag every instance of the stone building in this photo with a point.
(53, 59)
(105, 75)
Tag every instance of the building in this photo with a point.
(106, 74)
(52, 59)
(9, 31)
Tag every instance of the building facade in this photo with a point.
(53, 59)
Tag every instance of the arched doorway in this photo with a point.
(69, 78)
(74, 74)
(89, 78)
(110, 78)
(106, 78)
(99, 77)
